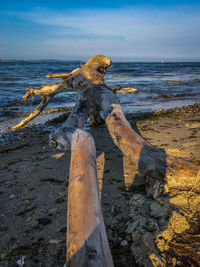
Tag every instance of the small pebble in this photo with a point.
(20, 262)
(27, 202)
(124, 243)
(128, 237)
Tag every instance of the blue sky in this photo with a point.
(121, 30)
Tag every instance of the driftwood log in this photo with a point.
(87, 243)
(171, 183)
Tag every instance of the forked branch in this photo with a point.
(46, 92)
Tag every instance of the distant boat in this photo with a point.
(162, 61)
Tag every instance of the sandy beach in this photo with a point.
(34, 181)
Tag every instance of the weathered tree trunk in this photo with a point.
(87, 243)
(169, 211)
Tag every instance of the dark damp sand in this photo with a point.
(34, 180)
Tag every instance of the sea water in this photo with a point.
(160, 85)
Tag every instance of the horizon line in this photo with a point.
(115, 59)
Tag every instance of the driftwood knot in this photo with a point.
(53, 143)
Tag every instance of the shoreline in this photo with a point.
(50, 119)
(34, 184)
(12, 118)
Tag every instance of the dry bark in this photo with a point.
(169, 210)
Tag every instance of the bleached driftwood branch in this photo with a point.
(35, 113)
(47, 92)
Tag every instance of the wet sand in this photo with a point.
(34, 181)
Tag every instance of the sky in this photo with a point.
(122, 30)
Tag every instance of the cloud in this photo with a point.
(89, 22)
(129, 31)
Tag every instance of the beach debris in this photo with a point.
(59, 200)
(62, 194)
(29, 208)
